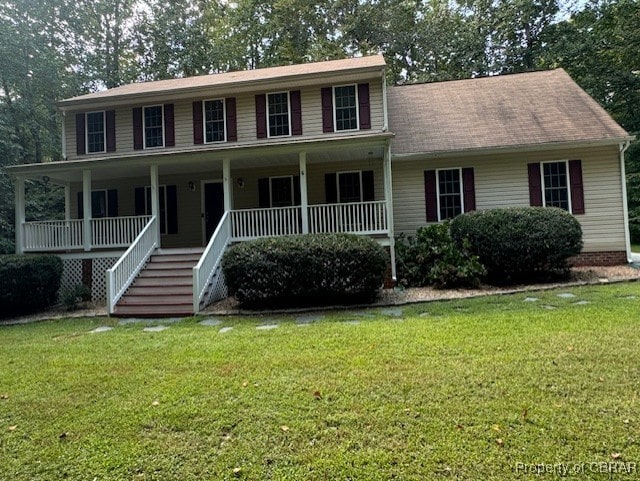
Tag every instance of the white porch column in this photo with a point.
(388, 197)
(19, 214)
(304, 202)
(86, 208)
(155, 199)
(227, 186)
(67, 202)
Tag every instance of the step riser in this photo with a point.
(153, 291)
(163, 281)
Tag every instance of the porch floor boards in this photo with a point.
(164, 287)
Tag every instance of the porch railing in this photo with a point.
(52, 235)
(358, 217)
(116, 231)
(253, 223)
(122, 274)
(208, 266)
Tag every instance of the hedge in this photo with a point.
(305, 270)
(520, 242)
(28, 283)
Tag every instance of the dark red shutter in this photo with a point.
(577, 190)
(80, 139)
(172, 209)
(330, 188)
(110, 120)
(368, 187)
(364, 106)
(431, 195)
(261, 116)
(197, 123)
(80, 206)
(468, 189)
(231, 121)
(535, 185)
(139, 205)
(297, 197)
(137, 128)
(264, 199)
(327, 109)
(112, 203)
(296, 112)
(169, 126)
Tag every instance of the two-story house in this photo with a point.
(160, 177)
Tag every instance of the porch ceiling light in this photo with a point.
(240, 182)
(191, 185)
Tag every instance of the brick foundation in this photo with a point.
(603, 258)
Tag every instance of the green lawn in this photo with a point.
(450, 390)
(635, 247)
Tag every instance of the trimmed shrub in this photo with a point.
(432, 258)
(28, 283)
(305, 270)
(520, 243)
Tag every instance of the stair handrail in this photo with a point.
(210, 260)
(125, 270)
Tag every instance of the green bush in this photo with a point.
(305, 270)
(28, 283)
(431, 258)
(72, 298)
(520, 243)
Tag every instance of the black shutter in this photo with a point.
(430, 195)
(264, 199)
(112, 203)
(139, 201)
(81, 148)
(137, 128)
(327, 109)
(577, 190)
(468, 189)
(297, 197)
(110, 120)
(330, 188)
(535, 185)
(172, 209)
(197, 123)
(169, 126)
(80, 206)
(368, 187)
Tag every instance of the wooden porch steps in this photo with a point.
(164, 287)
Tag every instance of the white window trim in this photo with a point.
(293, 199)
(144, 127)
(104, 132)
(566, 166)
(338, 185)
(166, 213)
(204, 121)
(459, 169)
(269, 136)
(335, 120)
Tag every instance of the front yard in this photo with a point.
(487, 389)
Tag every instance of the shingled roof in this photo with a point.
(496, 112)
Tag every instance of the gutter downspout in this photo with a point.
(64, 135)
(385, 125)
(625, 209)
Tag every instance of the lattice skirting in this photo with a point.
(88, 271)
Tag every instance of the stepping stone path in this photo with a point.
(164, 320)
(267, 327)
(353, 322)
(630, 297)
(362, 314)
(393, 312)
(550, 308)
(531, 299)
(155, 328)
(566, 295)
(101, 329)
(225, 329)
(425, 314)
(581, 303)
(210, 322)
(309, 318)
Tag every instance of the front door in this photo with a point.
(213, 207)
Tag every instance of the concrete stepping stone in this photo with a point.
(155, 328)
(101, 329)
(531, 299)
(132, 320)
(630, 297)
(424, 314)
(581, 303)
(267, 327)
(210, 322)
(225, 329)
(362, 314)
(566, 295)
(352, 322)
(550, 308)
(309, 318)
(392, 312)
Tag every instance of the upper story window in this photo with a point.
(555, 185)
(214, 115)
(153, 127)
(346, 107)
(278, 114)
(96, 132)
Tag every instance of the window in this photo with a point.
(278, 114)
(346, 107)
(281, 189)
(96, 132)
(555, 185)
(449, 193)
(153, 127)
(214, 114)
(104, 203)
(349, 187)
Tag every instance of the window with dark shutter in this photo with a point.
(232, 123)
(80, 138)
(197, 123)
(364, 106)
(327, 109)
(261, 116)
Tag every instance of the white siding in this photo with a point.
(502, 181)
